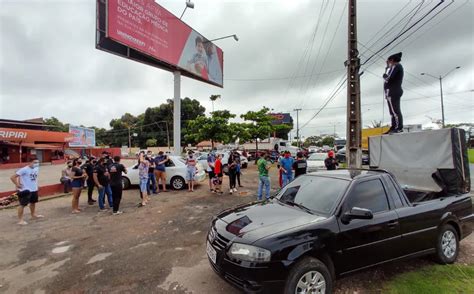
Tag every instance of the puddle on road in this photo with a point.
(99, 257)
(61, 249)
(197, 279)
(21, 277)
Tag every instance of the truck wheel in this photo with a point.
(309, 275)
(447, 246)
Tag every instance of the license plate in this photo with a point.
(211, 252)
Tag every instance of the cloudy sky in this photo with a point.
(290, 54)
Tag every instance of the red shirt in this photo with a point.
(218, 167)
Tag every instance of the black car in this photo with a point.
(341, 156)
(300, 241)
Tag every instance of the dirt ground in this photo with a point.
(159, 248)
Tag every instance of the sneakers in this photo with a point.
(231, 191)
(103, 210)
(117, 212)
(235, 189)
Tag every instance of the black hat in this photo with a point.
(396, 57)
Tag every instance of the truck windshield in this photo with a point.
(318, 194)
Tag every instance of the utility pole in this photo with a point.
(129, 141)
(440, 78)
(354, 124)
(297, 127)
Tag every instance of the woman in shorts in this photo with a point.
(77, 176)
(143, 166)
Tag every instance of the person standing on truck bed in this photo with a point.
(393, 77)
(330, 162)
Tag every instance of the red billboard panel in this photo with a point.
(152, 30)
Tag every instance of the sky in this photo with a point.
(290, 54)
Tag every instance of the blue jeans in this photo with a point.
(102, 191)
(143, 184)
(263, 181)
(286, 178)
(152, 181)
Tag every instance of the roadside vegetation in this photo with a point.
(434, 279)
(470, 153)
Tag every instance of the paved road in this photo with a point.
(159, 248)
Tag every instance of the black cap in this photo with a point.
(397, 57)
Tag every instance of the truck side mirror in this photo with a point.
(356, 213)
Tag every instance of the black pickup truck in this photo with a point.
(328, 224)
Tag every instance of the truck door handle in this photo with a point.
(392, 224)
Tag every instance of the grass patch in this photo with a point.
(434, 279)
(470, 154)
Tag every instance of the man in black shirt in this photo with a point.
(89, 168)
(151, 174)
(330, 162)
(393, 91)
(101, 179)
(116, 170)
(300, 165)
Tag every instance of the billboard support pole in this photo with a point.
(177, 113)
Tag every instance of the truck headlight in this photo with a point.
(249, 253)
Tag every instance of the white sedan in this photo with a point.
(316, 162)
(225, 157)
(175, 174)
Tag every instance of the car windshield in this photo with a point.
(318, 194)
(317, 156)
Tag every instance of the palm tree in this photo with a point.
(214, 98)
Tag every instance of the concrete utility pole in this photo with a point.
(354, 124)
(297, 127)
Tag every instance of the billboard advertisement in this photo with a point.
(150, 29)
(281, 118)
(82, 137)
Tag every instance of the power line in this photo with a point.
(404, 32)
(282, 78)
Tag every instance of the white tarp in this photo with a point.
(413, 157)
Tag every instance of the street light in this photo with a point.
(229, 36)
(190, 5)
(440, 78)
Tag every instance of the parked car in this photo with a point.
(315, 162)
(175, 174)
(341, 156)
(313, 149)
(329, 224)
(225, 157)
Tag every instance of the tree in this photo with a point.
(375, 124)
(312, 141)
(213, 98)
(150, 143)
(282, 130)
(329, 141)
(55, 125)
(215, 128)
(260, 126)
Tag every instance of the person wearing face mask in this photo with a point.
(65, 179)
(26, 182)
(191, 170)
(89, 168)
(102, 180)
(393, 78)
(78, 176)
(286, 166)
(330, 162)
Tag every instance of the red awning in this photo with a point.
(37, 146)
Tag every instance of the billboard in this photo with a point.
(82, 137)
(281, 118)
(144, 31)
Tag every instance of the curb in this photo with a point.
(41, 199)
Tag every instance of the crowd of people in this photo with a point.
(105, 174)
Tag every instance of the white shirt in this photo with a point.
(28, 178)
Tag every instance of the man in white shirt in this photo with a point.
(26, 182)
